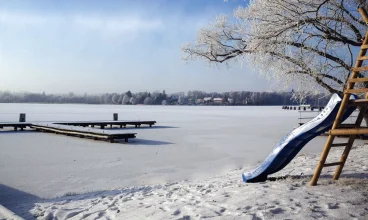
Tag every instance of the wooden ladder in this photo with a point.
(340, 129)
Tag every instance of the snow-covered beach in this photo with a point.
(225, 196)
(189, 165)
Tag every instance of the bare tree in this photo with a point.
(304, 43)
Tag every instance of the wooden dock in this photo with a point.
(15, 125)
(104, 124)
(82, 132)
(82, 129)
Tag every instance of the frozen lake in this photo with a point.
(188, 142)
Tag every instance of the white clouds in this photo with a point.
(21, 18)
(117, 25)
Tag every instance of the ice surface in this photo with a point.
(186, 143)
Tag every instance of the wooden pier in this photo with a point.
(15, 125)
(82, 132)
(82, 129)
(104, 124)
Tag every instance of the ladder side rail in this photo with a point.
(348, 147)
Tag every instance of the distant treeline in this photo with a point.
(161, 98)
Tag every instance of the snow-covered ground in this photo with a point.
(225, 196)
(193, 155)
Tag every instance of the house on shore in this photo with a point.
(217, 101)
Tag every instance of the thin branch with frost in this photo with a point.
(287, 40)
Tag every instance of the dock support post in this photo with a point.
(22, 117)
(115, 117)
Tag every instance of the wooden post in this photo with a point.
(115, 116)
(364, 14)
(348, 147)
(22, 117)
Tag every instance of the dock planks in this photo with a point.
(103, 124)
(82, 132)
(83, 129)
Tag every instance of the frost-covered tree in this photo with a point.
(115, 98)
(307, 44)
(181, 100)
(133, 101)
(120, 100)
(125, 100)
(147, 101)
(129, 94)
(164, 102)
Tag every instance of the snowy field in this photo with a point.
(209, 146)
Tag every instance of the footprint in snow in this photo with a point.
(333, 205)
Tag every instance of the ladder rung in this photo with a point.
(358, 102)
(364, 46)
(362, 68)
(356, 90)
(363, 58)
(332, 164)
(358, 80)
(349, 131)
(339, 145)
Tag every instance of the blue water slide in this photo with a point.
(293, 142)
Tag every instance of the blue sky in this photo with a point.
(111, 46)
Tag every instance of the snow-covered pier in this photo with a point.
(103, 124)
(15, 125)
(82, 132)
(82, 129)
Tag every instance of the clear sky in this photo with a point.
(111, 46)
